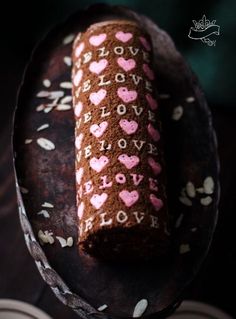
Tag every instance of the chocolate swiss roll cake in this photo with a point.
(120, 171)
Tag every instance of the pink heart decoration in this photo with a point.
(78, 141)
(96, 40)
(78, 109)
(79, 174)
(156, 167)
(153, 132)
(98, 164)
(145, 43)
(78, 77)
(130, 127)
(124, 37)
(128, 161)
(98, 67)
(80, 210)
(129, 198)
(97, 97)
(98, 129)
(156, 202)
(149, 72)
(98, 200)
(125, 95)
(126, 65)
(79, 49)
(151, 101)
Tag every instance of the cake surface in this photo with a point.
(120, 169)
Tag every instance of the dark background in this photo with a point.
(23, 23)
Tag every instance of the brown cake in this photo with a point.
(120, 171)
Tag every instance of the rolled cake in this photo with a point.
(120, 173)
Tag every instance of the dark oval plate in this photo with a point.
(80, 281)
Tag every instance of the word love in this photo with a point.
(104, 112)
(108, 182)
(104, 80)
(107, 218)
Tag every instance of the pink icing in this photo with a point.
(156, 202)
(98, 164)
(126, 95)
(78, 109)
(78, 141)
(129, 198)
(149, 72)
(96, 40)
(97, 97)
(98, 129)
(98, 67)
(124, 36)
(129, 127)
(129, 161)
(88, 187)
(145, 43)
(79, 174)
(78, 77)
(80, 210)
(105, 184)
(153, 184)
(79, 49)
(151, 101)
(137, 178)
(126, 65)
(153, 132)
(120, 178)
(156, 167)
(98, 200)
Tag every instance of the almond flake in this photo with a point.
(47, 83)
(67, 60)
(42, 127)
(190, 99)
(28, 141)
(70, 241)
(164, 96)
(208, 185)
(62, 241)
(179, 221)
(46, 144)
(205, 201)
(66, 85)
(66, 99)
(48, 109)
(43, 94)
(45, 237)
(40, 107)
(200, 190)
(48, 205)
(177, 113)
(56, 94)
(44, 212)
(190, 190)
(185, 200)
(68, 39)
(103, 307)
(140, 308)
(63, 107)
(24, 190)
(184, 248)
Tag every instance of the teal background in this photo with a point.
(215, 66)
(28, 21)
